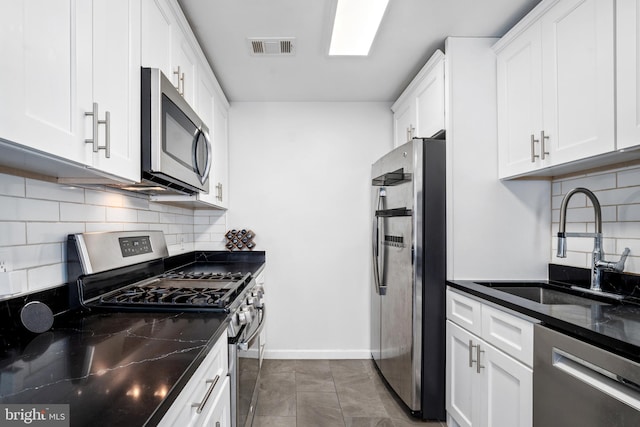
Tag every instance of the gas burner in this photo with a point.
(200, 275)
(161, 296)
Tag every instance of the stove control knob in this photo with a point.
(244, 315)
(251, 300)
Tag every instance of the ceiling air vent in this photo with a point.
(272, 46)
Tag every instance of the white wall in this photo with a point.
(300, 178)
(36, 217)
(495, 229)
(618, 191)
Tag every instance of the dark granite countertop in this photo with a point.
(614, 326)
(111, 368)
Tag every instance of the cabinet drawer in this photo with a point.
(509, 333)
(212, 372)
(465, 312)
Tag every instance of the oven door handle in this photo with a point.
(245, 344)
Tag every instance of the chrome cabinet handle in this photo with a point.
(478, 353)
(410, 131)
(543, 150)
(95, 122)
(533, 149)
(180, 86)
(207, 395)
(219, 191)
(471, 361)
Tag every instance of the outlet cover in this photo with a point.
(6, 264)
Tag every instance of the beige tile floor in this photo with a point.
(327, 393)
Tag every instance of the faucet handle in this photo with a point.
(618, 267)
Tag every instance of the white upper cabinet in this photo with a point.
(520, 103)
(556, 98)
(116, 85)
(157, 25)
(169, 44)
(419, 111)
(628, 73)
(429, 100)
(46, 79)
(404, 122)
(578, 79)
(166, 46)
(67, 59)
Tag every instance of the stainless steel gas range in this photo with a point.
(125, 271)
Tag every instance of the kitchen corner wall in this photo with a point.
(618, 191)
(36, 217)
(300, 176)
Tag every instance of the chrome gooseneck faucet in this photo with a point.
(598, 264)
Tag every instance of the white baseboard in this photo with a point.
(317, 354)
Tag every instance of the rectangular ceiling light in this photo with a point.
(355, 26)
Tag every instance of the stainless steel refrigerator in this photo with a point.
(409, 269)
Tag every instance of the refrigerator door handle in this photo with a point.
(380, 288)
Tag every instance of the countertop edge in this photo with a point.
(160, 411)
(622, 348)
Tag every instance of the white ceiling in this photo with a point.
(410, 32)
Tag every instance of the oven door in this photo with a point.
(246, 353)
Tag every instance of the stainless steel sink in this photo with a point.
(542, 294)
(547, 296)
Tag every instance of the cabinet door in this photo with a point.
(429, 102)
(116, 85)
(508, 392)
(462, 380)
(404, 123)
(628, 73)
(578, 79)
(519, 77)
(183, 66)
(46, 79)
(157, 25)
(206, 107)
(219, 414)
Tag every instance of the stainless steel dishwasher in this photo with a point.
(578, 384)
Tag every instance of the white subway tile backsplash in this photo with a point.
(592, 182)
(20, 209)
(148, 216)
(105, 226)
(12, 233)
(33, 255)
(121, 215)
(12, 185)
(77, 212)
(46, 276)
(629, 177)
(629, 213)
(52, 232)
(37, 216)
(51, 191)
(102, 198)
(618, 191)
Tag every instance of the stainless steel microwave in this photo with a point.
(176, 148)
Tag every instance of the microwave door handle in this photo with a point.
(203, 173)
(207, 167)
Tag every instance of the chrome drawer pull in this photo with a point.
(478, 353)
(533, 149)
(200, 405)
(471, 361)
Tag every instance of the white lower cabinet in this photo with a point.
(486, 385)
(206, 399)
